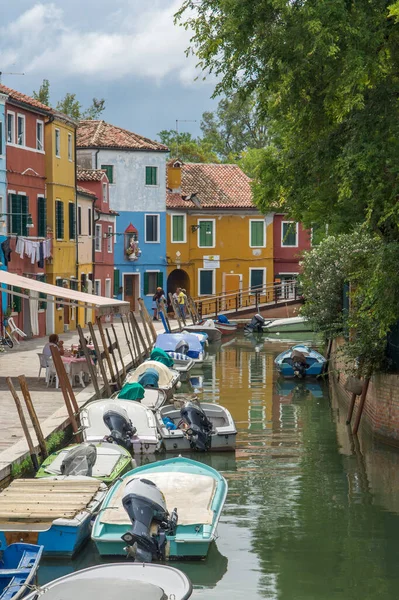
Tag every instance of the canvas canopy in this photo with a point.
(104, 306)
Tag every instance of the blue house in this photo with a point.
(3, 185)
(136, 169)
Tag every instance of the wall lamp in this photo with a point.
(29, 220)
(196, 227)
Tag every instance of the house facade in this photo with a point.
(3, 185)
(136, 170)
(290, 240)
(84, 224)
(218, 242)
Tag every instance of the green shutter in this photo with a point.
(257, 280)
(206, 233)
(151, 175)
(257, 233)
(177, 228)
(41, 217)
(146, 283)
(17, 300)
(206, 281)
(14, 218)
(109, 169)
(59, 219)
(160, 279)
(42, 297)
(72, 221)
(116, 281)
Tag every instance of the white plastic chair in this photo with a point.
(15, 331)
(51, 372)
(43, 363)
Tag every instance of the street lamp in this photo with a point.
(29, 220)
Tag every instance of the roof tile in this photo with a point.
(82, 190)
(99, 134)
(14, 95)
(90, 174)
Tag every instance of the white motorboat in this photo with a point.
(165, 378)
(196, 426)
(288, 325)
(125, 422)
(116, 581)
(149, 397)
(208, 327)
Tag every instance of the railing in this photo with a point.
(255, 297)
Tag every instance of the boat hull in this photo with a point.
(289, 325)
(315, 362)
(226, 328)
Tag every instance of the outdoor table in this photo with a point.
(75, 366)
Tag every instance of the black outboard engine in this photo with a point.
(120, 426)
(182, 347)
(145, 504)
(80, 460)
(199, 426)
(299, 364)
(256, 325)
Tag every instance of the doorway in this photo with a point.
(131, 289)
(178, 278)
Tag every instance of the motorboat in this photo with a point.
(196, 426)
(56, 511)
(116, 581)
(225, 326)
(165, 510)
(255, 325)
(153, 374)
(149, 397)
(300, 361)
(187, 344)
(123, 422)
(101, 460)
(289, 325)
(175, 360)
(18, 567)
(208, 327)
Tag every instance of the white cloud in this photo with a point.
(133, 42)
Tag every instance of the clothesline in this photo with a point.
(36, 251)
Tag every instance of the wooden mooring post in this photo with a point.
(24, 424)
(100, 360)
(129, 343)
(361, 405)
(67, 391)
(33, 416)
(92, 368)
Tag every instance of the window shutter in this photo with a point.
(146, 283)
(109, 169)
(17, 300)
(257, 280)
(116, 281)
(206, 233)
(178, 224)
(72, 221)
(59, 219)
(42, 297)
(257, 231)
(206, 281)
(41, 217)
(160, 279)
(15, 217)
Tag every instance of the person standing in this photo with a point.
(182, 299)
(158, 297)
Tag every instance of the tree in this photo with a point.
(70, 105)
(325, 77)
(95, 109)
(43, 95)
(188, 149)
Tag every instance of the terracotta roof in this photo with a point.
(214, 186)
(99, 134)
(19, 97)
(82, 190)
(90, 174)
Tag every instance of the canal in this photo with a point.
(311, 513)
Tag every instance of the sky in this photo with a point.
(126, 51)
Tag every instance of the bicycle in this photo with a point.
(6, 339)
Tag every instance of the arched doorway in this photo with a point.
(178, 278)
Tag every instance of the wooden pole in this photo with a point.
(33, 416)
(129, 345)
(148, 320)
(176, 310)
(92, 369)
(350, 409)
(106, 351)
(119, 352)
(67, 392)
(135, 337)
(24, 425)
(146, 328)
(112, 347)
(136, 328)
(100, 360)
(361, 405)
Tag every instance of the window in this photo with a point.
(151, 175)
(89, 216)
(289, 234)
(70, 147)
(10, 128)
(42, 297)
(15, 302)
(97, 287)
(109, 240)
(206, 284)
(206, 233)
(108, 288)
(72, 220)
(109, 169)
(178, 229)
(41, 216)
(18, 219)
(59, 300)
(257, 279)
(59, 219)
(257, 233)
(97, 240)
(105, 193)
(152, 280)
(57, 143)
(1, 138)
(21, 130)
(116, 281)
(152, 228)
(79, 220)
(39, 135)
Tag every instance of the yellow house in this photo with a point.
(60, 138)
(217, 240)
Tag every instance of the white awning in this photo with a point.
(104, 306)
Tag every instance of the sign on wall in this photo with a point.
(212, 262)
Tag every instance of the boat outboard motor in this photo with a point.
(149, 378)
(256, 325)
(80, 460)
(199, 426)
(299, 363)
(120, 426)
(182, 347)
(145, 504)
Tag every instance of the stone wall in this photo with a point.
(381, 410)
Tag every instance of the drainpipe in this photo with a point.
(93, 245)
(76, 223)
(96, 159)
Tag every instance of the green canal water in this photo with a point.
(311, 513)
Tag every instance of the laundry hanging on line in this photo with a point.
(36, 251)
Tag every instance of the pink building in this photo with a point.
(290, 239)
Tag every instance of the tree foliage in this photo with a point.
(187, 148)
(325, 75)
(70, 105)
(43, 95)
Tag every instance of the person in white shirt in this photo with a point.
(53, 340)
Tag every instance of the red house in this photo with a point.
(26, 202)
(290, 239)
(96, 181)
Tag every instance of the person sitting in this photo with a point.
(55, 341)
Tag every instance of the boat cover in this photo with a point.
(165, 375)
(190, 493)
(169, 341)
(132, 391)
(162, 357)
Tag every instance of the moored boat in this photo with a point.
(183, 500)
(54, 511)
(117, 581)
(176, 342)
(153, 374)
(289, 325)
(18, 567)
(207, 327)
(225, 326)
(149, 397)
(300, 361)
(100, 460)
(125, 422)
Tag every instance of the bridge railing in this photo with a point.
(254, 297)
